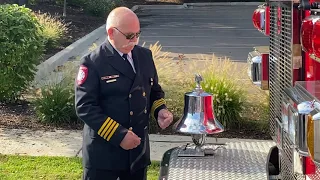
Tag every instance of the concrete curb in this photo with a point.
(62, 53)
(135, 8)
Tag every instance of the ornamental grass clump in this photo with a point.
(54, 29)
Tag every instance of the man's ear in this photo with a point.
(110, 32)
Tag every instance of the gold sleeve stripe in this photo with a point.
(103, 125)
(157, 102)
(109, 129)
(155, 105)
(112, 132)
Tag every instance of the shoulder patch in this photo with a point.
(82, 74)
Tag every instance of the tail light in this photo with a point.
(260, 19)
(256, 19)
(316, 38)
(307, 33)
(310, 33)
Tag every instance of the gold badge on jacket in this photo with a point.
(111, 78)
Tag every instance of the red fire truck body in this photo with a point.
(292, 63)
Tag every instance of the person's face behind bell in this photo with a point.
(125, 35)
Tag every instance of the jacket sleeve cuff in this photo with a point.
(112, 131)
(156, 107)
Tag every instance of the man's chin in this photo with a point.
(128, 49)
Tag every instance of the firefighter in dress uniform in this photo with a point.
(115, 93)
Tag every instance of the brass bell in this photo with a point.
(198, 116)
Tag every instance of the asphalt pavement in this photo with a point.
(226, 31)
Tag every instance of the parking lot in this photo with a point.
(222, 30)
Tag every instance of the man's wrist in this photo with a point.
(156, 107)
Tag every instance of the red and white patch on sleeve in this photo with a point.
(82, 74)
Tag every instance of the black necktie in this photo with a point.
(125, 56)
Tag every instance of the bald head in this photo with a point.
(120, 16)
(122, 28)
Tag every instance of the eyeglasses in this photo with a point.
(130, 36)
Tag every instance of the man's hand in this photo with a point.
(165, 118)
(130, 141)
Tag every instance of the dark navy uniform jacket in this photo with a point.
(110, 98)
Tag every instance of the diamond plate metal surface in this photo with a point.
(239, 160)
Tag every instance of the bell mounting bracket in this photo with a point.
(209, 149)
(200, 148)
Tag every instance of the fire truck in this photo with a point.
(287, 68)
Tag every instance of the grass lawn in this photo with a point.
(13, 167)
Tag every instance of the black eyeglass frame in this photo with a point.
(130, 36)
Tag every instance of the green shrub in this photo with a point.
(101, 8)
(21, 47)
(54, 29)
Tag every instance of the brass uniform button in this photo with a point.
(130, 95)
(144, 94)
(130, 129)
(131, 113)
(145, 111)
